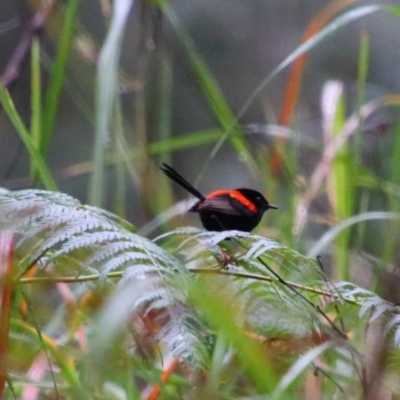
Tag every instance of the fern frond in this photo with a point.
(163, 294)
(186, 336)
(54, 227)
(276, 292)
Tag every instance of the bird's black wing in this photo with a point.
(223, 204)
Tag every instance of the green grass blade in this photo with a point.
(120, 172)
(164, 126)
(218, 309)
(36, 100)
(342, 193)
(363, 65)
(213, 93)
(26, 138)
(304, 362)
(192, 139)
(395, 10)
(395, 169)
(53, 93)
(63, 360)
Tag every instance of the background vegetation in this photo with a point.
(297, 101)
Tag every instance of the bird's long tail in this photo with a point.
(172, 174)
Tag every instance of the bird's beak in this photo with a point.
(273, 207)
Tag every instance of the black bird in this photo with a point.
(237, 209)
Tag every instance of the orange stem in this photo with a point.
(294, 83)
(6, 265)
(155, 392)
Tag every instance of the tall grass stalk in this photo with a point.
(363, 65)
(57, 75)
(106, 92)
(341, 190)
(36, 101)
(212, 92)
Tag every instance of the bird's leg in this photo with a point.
(226, 258)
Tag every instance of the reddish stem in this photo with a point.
(155, 392)
(6, 264)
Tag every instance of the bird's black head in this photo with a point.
(257, 199)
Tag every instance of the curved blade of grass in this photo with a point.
(106, 87)
(329, 236)
(26, 138)
(329, 29)
(294, 82)
(298, 367)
